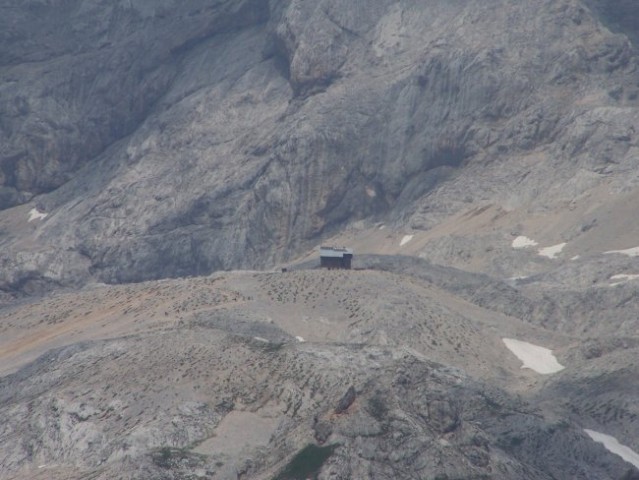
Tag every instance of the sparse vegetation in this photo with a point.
(265, 346)
(377, 407)
(170, 457)
(165, 457)
(510, 441)
(307, 463)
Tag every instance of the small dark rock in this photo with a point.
(322, 430)
(346, 401)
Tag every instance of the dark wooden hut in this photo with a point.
(336, 258)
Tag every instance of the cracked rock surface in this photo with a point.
(180, 138)
(169, 168)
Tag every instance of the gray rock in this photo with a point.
(173, 139)
(183, 138)
(346, 401)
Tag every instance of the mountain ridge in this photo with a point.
(168, 170)
(461, 111)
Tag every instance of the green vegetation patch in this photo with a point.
(169, 457)
(377, 407)
(307, 463)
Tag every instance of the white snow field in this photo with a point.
(523, 242)
(631, 252)
(35, 214)
(405, 240)
(552, 252)
(536, 358)
(622, 278)
(613, 445)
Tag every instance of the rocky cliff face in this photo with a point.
(178, 138)
(79, 76)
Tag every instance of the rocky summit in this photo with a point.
(169, 169)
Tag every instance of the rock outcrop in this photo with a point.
(109, 409)
(483, 153)
(178, 138)
(305, 373)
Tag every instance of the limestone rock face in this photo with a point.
(481, 158)
(174, 138)
(432, 422)
(206, 377)
(79, 75)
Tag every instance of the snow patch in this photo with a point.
(300, 339)
(576, 257)
(405, 240)
(552, 252)
(536, 358)
(631, 252)
(35, 214)
(370, 191)
(523, 242)
(260, 339)
(623, 278)
(613, 445)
